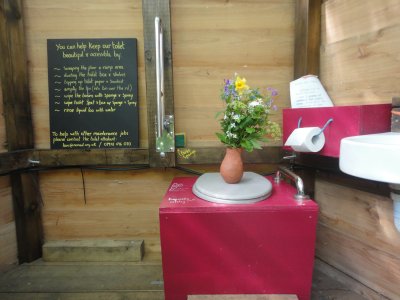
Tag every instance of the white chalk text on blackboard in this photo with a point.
(93, 93)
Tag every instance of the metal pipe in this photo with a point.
(296, 179)
(159, 75)
(395, 196)
(162, 77)
(33, 162)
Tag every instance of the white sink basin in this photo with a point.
(372, 156)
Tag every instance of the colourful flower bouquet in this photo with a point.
(245, 120)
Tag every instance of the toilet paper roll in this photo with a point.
(306, 139)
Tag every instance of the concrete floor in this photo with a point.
(115, 281)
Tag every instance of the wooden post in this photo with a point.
(161, 9)
(306, 60)
(19, 131)
(307, 37)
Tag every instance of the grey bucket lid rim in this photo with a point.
(252, 188)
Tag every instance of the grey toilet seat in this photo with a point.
(252, 188)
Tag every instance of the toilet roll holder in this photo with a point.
(322, 129)
(283, 171)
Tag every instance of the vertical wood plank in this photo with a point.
(28, 216)
(19, 130)
(307, 37)
(395, 125)
(14, 82)
(3, 146)
(8, 239)
(306, 53)
(151, 9)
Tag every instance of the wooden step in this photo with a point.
(243, 297)
(93, 250)
(77, 278)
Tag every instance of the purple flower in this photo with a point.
(229, 90)
(228, 82)
(273, 91)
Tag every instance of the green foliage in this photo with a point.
(245, 122)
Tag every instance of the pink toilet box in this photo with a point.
(262, 248)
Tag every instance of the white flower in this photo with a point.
(236, 117)
(231, 135)
(232, 125)
(256, 103)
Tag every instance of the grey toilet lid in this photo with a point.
(252, 188)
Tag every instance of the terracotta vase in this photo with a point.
(231, 168)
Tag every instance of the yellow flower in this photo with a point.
(240, 84)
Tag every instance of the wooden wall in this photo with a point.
(8, 239)
(3, 137)
(46, 19)
(211, 40)
(356, 235)
(105, 205)
(360, 50)
(360, 65)
(116, 202)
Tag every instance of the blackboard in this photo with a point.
(93, 93)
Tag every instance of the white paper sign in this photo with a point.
(308, 91)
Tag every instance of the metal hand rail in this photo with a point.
(296, 179)
(159, 76)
